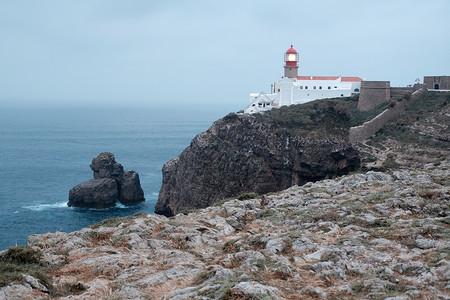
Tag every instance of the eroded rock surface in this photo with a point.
(110, 184)
(361, 236)
(240, 154)
(95, 193)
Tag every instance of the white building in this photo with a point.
(294, 89)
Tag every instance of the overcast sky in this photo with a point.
(212, 53)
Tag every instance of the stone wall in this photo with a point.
(441, 82)
(399, 92)
(373, 93)
(358, 134)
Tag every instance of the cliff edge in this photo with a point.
(240, 154)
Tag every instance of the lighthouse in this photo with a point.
(294, 89)
(291, 60)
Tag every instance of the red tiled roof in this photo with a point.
(344, 79)
(351, 79)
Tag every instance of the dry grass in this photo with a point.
(180, 243)
(157, 228)
(234, 263)
(161, 290)
(100, 238)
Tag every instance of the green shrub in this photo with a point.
(21, 255)
(389, 162)
(247, 196)
(112, 222)
(231, 116)
(20, 260)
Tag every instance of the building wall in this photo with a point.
(442, 81)
(288, 92)
(373, 93)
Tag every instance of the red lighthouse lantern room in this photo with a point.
(291, 59)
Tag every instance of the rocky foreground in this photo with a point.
(363, 236)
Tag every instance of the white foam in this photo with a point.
(120, 205)
(41, 207)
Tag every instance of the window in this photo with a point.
(278, 90)
(306, 87)
(356, 90)
(436, 86)
(329, 87)
(301, 87)
(320, 87)
(314, 87)
(335, 87)
(342, 95)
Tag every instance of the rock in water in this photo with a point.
(130, 188)
(240, 154)
(95, 193)
(110, 184)
(105, 166)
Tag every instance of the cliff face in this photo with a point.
(240, 154)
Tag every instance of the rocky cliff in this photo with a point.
(369, 235)
(241, 154)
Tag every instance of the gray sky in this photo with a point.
(211, 53)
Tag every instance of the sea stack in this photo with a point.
(110, 184)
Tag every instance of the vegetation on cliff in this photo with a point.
(18, 263)
(425, 123)
(320, 119)
(418, 137)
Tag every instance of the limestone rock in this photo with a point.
(256, 290)
(130, 188)
(105, 166)
(331, 250)
(240, 154)
(110, 184)
(95, 193)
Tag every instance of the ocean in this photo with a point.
(44, 152)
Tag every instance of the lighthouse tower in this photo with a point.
(291, 67)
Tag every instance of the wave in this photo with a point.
(41, 207)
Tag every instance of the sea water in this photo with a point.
(44, 152)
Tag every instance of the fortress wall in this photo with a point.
(373, 93)
(398, 92)
(358, 134)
